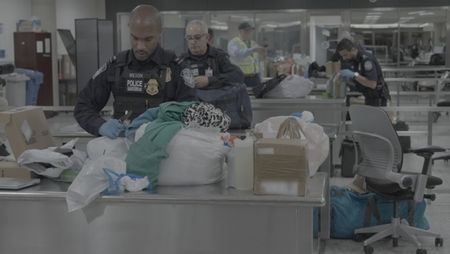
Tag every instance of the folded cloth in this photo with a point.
(148, 116)
(145, 155)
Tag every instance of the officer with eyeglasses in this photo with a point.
(139, 78)
(204, 66)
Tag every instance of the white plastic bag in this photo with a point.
(293, 86)
(140, 132)
(196, 156)
(49, 162)
(318, 145)
(104, 146)
(91, 181)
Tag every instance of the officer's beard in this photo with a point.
(141, 55)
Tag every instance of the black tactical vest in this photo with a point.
(199, 67)
(137, 90)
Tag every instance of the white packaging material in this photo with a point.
(318, 145)
(78, 158)
(33, 159)
(196, 156)
(134, 185)
(104, 146)
(240, 164)
(293, 86)
(91, 181)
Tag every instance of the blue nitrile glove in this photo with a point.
(111, 128)
(347, 74)
(297, 114)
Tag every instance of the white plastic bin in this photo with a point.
(16, 92)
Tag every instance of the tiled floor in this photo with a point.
(437, 213)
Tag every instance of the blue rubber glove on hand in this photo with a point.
(111, 128)
(347, 74)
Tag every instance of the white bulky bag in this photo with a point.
(318, 145)
(51, 162)
(104, 146)
(91, 181)
(293, 86)
(196, 156)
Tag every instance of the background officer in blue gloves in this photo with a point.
(364, 73)
(138, 78)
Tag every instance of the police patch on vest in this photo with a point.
(135, 85)
(368, 66)
(152, 87)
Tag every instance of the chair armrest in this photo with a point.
(427, 150)
(443, 104)
(445, 157)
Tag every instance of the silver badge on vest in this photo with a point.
(188, 77)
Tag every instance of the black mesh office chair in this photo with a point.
(381, 165)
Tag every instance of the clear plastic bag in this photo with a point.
(51, 162)
(91, 181)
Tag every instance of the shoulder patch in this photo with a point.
(368, 66)
(100, 71)
(103, 68)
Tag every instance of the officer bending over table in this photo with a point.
(138, 78)
(364, 73)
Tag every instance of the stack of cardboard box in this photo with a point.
(25, 128)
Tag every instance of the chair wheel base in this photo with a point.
(394, 242)
(421, 251)
(439, 242)
(361, 237)
(368, 249)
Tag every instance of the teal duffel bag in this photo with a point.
(351, 210)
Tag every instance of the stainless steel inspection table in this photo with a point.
(202, 219)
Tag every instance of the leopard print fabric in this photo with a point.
(205, 115)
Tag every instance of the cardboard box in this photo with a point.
(332, 68)
(281, 167)
(25, 128)
(12, 169)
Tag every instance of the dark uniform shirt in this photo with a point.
(135, 85)
(214, 64)
(367, 65)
